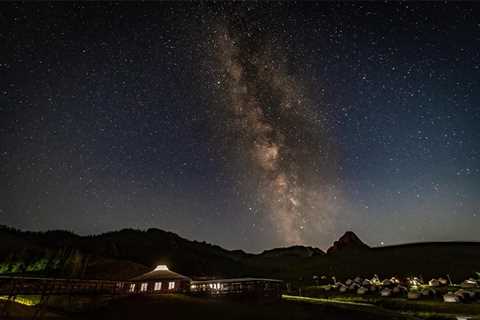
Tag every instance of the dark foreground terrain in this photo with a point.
(185, 307)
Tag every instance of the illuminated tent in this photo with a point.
(450, 297)
(413, 295)
(362, 290)
(386, 292)
(469, 283)
(342, 289)
(464, 294)
(434, 283)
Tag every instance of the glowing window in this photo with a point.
(132, 287)
(143, 287)
(171, 285)
(158, 286)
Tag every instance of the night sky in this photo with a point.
(246, 125)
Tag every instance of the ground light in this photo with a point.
(22, 300)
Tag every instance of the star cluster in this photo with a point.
(250, 125)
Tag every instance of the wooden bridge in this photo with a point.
(14, 286)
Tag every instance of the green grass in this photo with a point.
(352, 306)
(186, 307)
(430, 306)
(177, 306)
(433, 308)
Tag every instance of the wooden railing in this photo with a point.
(18, 285)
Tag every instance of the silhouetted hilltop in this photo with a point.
(64, 253)
(293, 251)
(349, 241)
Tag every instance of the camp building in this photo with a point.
(251, 287)
(160, 280)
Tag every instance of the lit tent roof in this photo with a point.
(161, 272)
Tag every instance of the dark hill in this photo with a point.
(63, 253)
(127, 253)
(294, 251)
(459, 260)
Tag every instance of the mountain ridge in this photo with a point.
(127, 253)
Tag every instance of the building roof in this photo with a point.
(236, 280)
(161, 272)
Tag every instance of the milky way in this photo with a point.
(245, 124)
(278, 132)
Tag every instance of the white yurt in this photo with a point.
(434, 283)
(366, 282)
(413, 295)
(354, 286)
(357, 280)
(387, 282)
(362, 290)
(465, 294)
(451, 298)
(338, 285)
(386, 292)
(469, 283)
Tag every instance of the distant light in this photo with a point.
(161, 267)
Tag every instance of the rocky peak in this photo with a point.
(348, 241)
